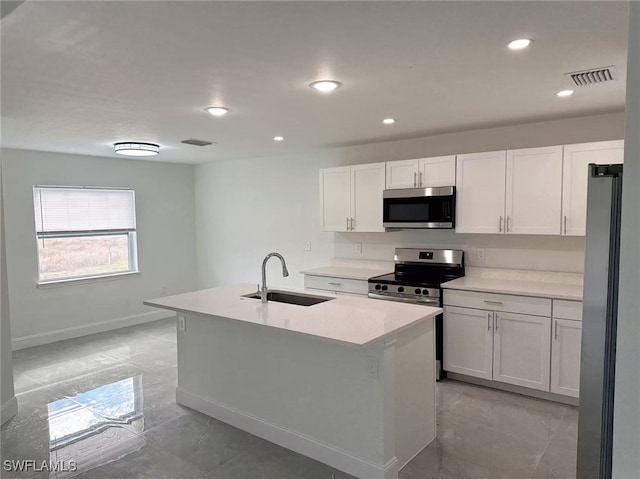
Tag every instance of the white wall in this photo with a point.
(247, 208)
(626, 429)
(8, 403)
(166, 244)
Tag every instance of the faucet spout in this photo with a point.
(285, 273)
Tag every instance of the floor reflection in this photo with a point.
(98, 426)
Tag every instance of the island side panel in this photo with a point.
(320, 398)
(415, 380)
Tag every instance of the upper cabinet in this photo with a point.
(534, 191)
(421, 172)
(513, 192)
(480, 192)
(351, 198)
(575, 178)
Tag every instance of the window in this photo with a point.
(84, 232)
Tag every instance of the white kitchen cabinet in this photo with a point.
(576, 162)
(565, 357)
(351, 198)
(468, 341)
(402, 174)
(480, 192)
(367, 185)
(521, 345)
(335, 198)
(421, 172)
(534, 191)
(336, 285)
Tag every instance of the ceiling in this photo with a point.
(80, 76)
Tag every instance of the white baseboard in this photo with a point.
(8, 410)
(78, 331)
(305, 445)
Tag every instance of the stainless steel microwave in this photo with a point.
(419, 208)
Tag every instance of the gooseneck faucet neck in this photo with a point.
(285, 273)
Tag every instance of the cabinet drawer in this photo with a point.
(567, 309)
(340, 285)
(498, 302)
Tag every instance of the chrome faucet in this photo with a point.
(285, 273)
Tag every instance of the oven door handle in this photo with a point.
(431, 301)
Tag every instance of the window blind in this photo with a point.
(60, 210)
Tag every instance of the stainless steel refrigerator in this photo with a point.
(599, 321)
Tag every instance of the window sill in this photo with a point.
(78, 281)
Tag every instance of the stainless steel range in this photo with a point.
(417, 276)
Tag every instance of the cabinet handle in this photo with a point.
(508, 220)
(335, 284)
(347, 223)
(352, 220)
(495, 303)
(497, 319)
(415, 179)
(555, 332)
(565, 225)
(488, 321)
(420, 178)
(500, 225)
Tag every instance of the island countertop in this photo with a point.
(347, 319)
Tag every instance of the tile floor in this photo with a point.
(107, 401)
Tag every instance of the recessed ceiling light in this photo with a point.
(136, 149)
(519, 44)
(564, 93)
(217, 110)
(278, 138)
(325, 85)
(388, 121)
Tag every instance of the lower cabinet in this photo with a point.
(521, 350)
(565, 357)
(468, 341)
(336, 285)
(505, 347)
(534, 351)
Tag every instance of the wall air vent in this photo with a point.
(197, 142)
(592, 76)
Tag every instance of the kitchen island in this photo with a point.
(349, 382)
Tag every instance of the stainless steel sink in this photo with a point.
(288, 297)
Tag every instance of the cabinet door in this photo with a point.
(468, 341)
(335, 198)
(521, 350)
(480, 192)
(438, 171)
(367, 185)
(534, 191)
(402, 174)
(565, 357)
(574, 183)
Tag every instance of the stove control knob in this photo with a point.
(417, 291)
(378, 286)
(384, 287)
(425, 291)
(400, 289)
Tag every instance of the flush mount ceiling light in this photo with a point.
(325, 86)
(278, 138)
(388, 121)
(131, 148)
(519, 44)
(564, 93)
(217, 110)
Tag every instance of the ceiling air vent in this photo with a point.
(592, 76)
(197, 142)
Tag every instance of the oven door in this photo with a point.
(419, 208)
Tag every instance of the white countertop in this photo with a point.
(346, 319)
(347, 272)
(540, 289)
